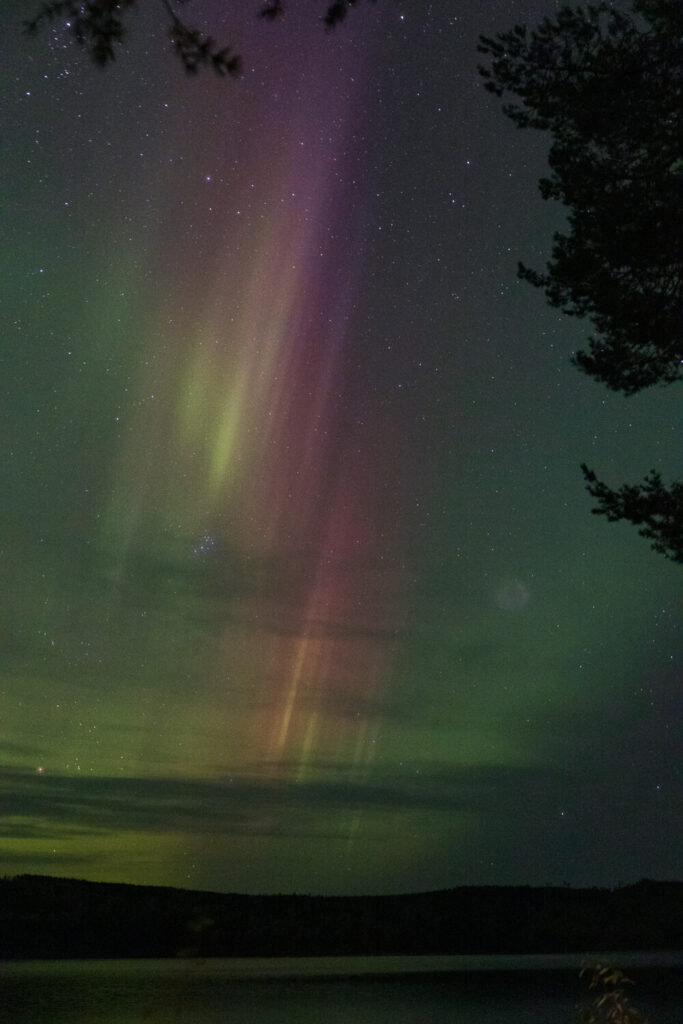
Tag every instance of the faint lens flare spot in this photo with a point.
(512, 595)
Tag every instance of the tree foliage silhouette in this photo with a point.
(608, 86)
(609, 1003)
(98, 26)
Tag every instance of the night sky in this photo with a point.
(300, 587)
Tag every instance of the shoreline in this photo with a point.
(339, 967)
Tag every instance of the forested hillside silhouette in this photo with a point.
(43, 917)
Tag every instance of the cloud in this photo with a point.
(34, 860)
(19, 749)
(221, 585)
(254, 803)
(38, 829)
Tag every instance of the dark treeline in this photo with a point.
(42, 917)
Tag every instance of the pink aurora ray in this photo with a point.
(269, 447)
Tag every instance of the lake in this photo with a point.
(326, 990)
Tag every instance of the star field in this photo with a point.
(301, 591)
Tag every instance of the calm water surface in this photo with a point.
(324, 990)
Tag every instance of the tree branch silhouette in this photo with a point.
(98, 27)
(608, 87)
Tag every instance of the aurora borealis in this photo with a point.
(301, 591)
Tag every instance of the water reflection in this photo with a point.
(325, 990)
